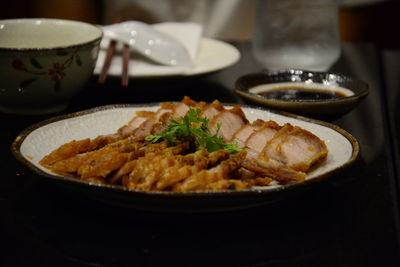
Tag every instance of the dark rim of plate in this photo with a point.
(15, 149)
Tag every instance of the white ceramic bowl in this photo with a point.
(44, 63)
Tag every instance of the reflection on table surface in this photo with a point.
(350, 221)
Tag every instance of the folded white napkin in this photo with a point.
(187, 34)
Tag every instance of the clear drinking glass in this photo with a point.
(301, 34)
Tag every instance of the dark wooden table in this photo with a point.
(354, 222)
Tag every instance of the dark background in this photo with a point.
(359, 23)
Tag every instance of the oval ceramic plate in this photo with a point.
(213, 55)
(40, 139)
(354, 90)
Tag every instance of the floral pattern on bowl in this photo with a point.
(57, 71)
(39, 75)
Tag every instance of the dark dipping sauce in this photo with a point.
(301, 94)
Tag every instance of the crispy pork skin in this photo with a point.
(153, 166)
(202, 179)
(75, 163)
(65, 151)
(103, 165)
(74, 147)
(190, 165)
(275, 170)
(128, 167)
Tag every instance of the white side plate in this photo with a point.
(213, 55)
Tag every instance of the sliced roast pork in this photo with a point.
(256, 142)
(289, 154)
(241, 135)
(295, 147)
(211, 110)
(228, 121)
(135, 122)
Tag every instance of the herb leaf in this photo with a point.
(195, 127)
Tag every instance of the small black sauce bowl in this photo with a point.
(325, 109)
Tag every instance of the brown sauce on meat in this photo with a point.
(301, 94)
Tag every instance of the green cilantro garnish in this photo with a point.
(193, 127)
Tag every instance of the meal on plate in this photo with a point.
(192, 146)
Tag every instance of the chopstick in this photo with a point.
(107, 61)
(126, 51)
